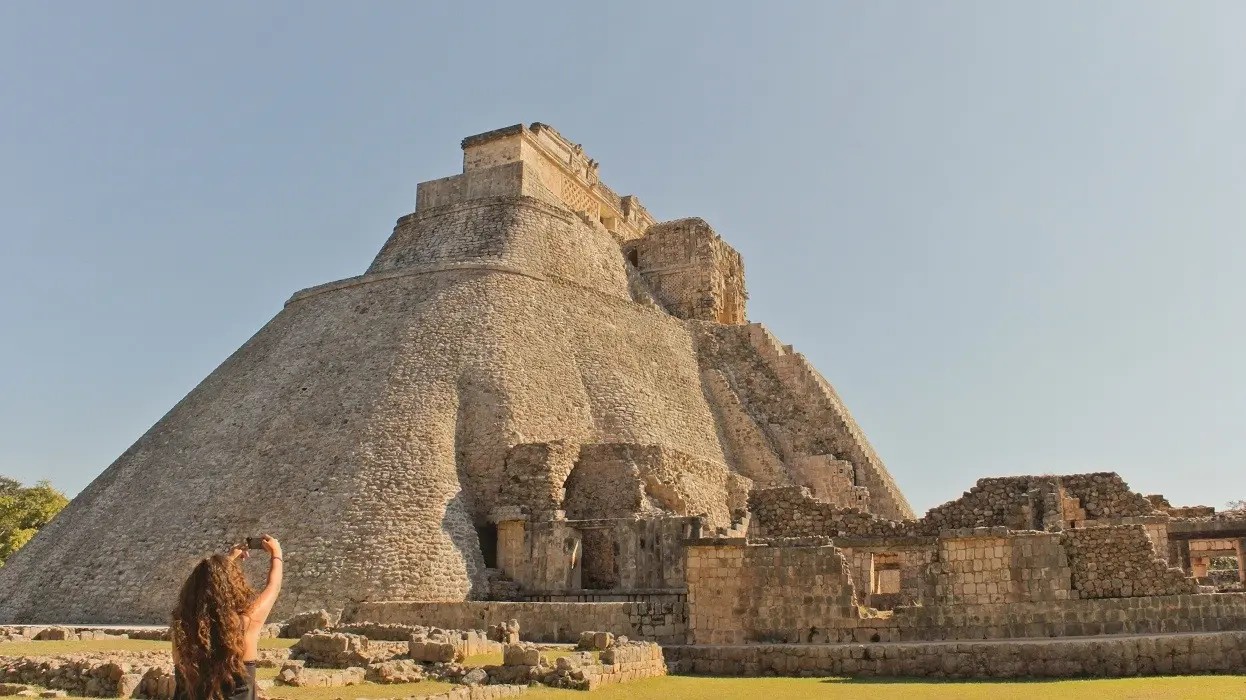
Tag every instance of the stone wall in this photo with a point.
(372, 418)
(519, 233)
(1049, 658)
(615, 480)
(619, 663)
(1120, 562)
(759, 592)
(535, 474)
(792, 511)
(796, 413)
(1105, 495)
(1016, 503)
(691, 271)
(1006, 567)
(116, 674)
(547, 556)
(538, 622)
(890, 572)
(1039, 502)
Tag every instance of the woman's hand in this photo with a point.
(273, 546)
(238, 551)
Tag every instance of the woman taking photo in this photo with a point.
(216, 626)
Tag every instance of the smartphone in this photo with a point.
(255, 543)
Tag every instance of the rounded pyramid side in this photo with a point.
(365, 426)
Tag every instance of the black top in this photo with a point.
(242, 689)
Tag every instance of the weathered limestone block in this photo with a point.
(56, 634)
(435, 651)
(595, 641)
(303, 677)
(333, 650)
(301, 624)
(521, 655)
(505, 632)
(396, 671)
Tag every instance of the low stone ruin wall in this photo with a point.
(478, 692)
(1120, 561)
(1017, 586)
(1014, 502)
(18, 633)
(130, 674)
(1004, 567)
(752, 593)
(1223, 652)
(1063, 618)
(338, 650)
(540, 622)
(619, 663)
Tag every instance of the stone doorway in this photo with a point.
(598, 570)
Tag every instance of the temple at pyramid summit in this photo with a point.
(541, 403)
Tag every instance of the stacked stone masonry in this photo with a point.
(1120, 562)
(524, 321)
(541, 405)
(1048, 658)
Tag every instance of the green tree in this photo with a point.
(23, 510)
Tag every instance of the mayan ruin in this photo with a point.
(542, 416)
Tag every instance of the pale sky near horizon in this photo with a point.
(1010, 234)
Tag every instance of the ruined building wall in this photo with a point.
(890, 572)
(376, 418)
(752, 593)
(692, 271)
(796, 412)
(1004, 567)
(1120, 562)
(362, 398)
(534, 475)
(622, 480)
(1031, 502)
(792, 511)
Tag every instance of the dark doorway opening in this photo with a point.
(597, 568)
(488, 536)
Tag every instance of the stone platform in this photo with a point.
(1069, 657)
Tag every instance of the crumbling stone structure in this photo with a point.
(541, 408)
(536, 390)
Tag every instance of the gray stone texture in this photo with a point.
(370, 423)
(1048, 658)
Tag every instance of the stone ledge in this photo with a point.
(1222, 652)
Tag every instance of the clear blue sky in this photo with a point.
(1013, 235)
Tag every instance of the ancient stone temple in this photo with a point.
(535, 392)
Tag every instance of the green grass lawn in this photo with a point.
(700, 688)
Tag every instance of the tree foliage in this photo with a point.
(23, 510)
(1236, 505)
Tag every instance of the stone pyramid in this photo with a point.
(528, 345)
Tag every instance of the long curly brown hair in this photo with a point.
(208, 628)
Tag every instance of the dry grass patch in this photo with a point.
(700, 688)
(90, 646)
(365, 690)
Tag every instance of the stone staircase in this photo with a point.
(800, 413)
